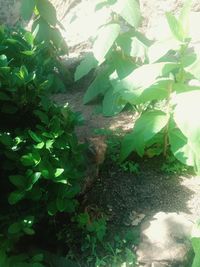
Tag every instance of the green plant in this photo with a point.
(173, 166)
(173, 124)
(117, 50)
(196, 245)
(41, 161)
(130, 167)
(46, 43)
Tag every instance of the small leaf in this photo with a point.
(15, 197)
(38, 257)
(31, 159)
(34, 136)
(58, 172)
(28, 231)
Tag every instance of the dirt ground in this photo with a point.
(119, 192)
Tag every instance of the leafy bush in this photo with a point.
(48, 42)
(117, 50)
(156, 78)
(41, 161)
(169, 119)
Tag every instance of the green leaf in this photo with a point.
(196, 248)
(186, 116)
(194, 68)
(128, 10)
(105, 40)
(27, 8)
(39, 145)
(3, 61)
(184, 16)
(31, 159)
(38, 257)
(98, 87)
(145, 76)
(58, 172)
(15, 228)
(161, 48)
(86, 65)
(32, 179)
(61, 204)
(43, 30)
(15, 197)
(112, 103)
(175, 27)
(158, 91)
(6, 139)
(28, 36)
(34, 136)
(28, 231)
(18, 180)
(180, 146)
(147, 126)
(47, 11)
(42, 116)
(123, 66)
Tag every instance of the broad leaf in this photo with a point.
(196, 248)
(86, 65)
(158, 91)
(112, 103)
(31, 159)
(180, 146)
(184, 16)
(161, 48)
(98, 87)
(128, 10)
(146, 75)
(27, 8)
(147, 126)
(15, 228)
(105, 40)
(35, 137)
(175, 27)
(47, 11)
(186, 116)
(124, 66)
(18, 180)
(15, 197)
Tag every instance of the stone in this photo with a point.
(165, 241)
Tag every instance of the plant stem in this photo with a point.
(167, 126)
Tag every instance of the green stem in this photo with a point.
(168, 105)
